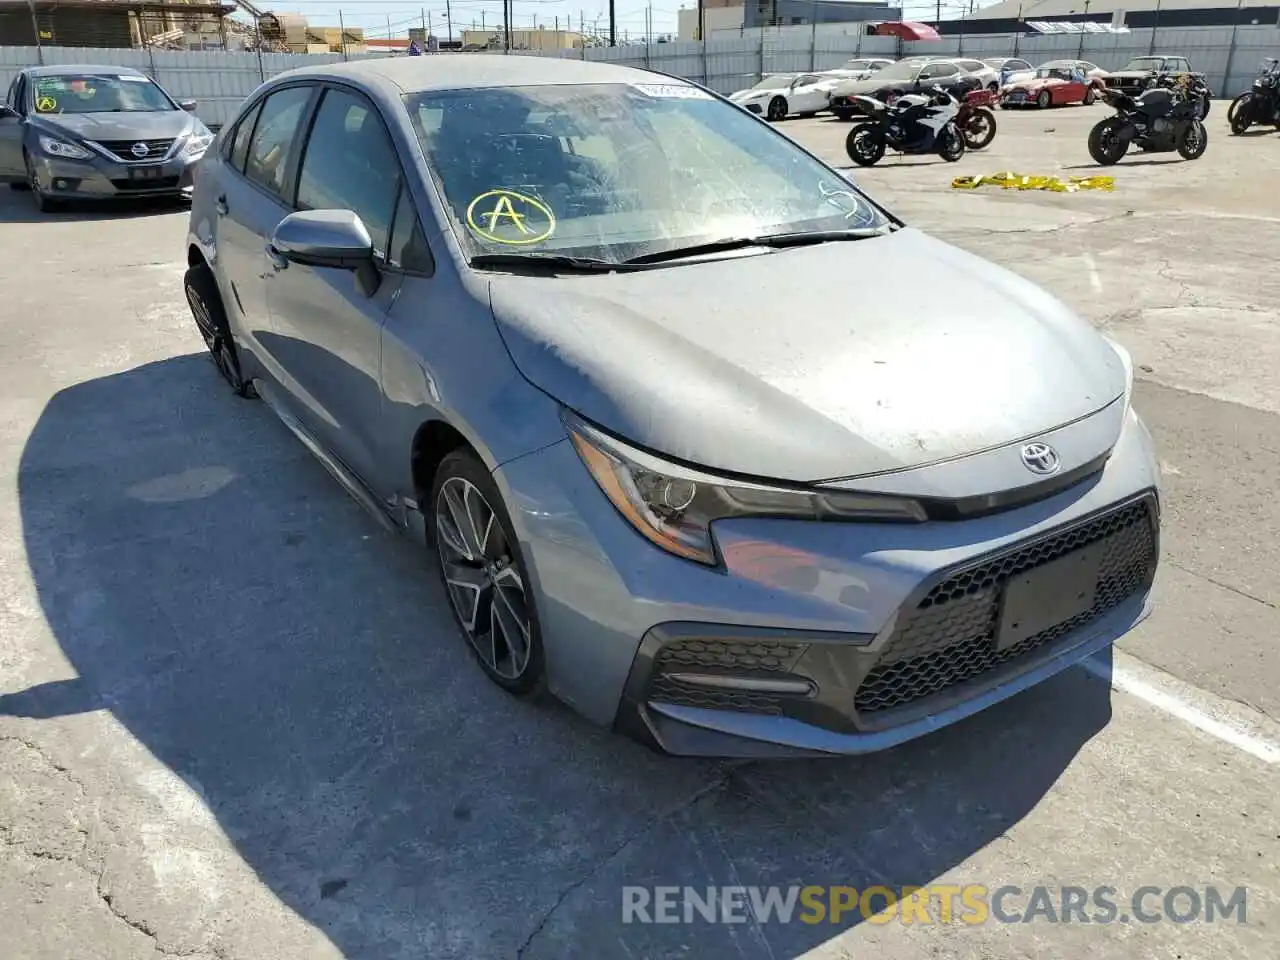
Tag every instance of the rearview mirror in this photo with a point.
(188, 105)
(327, 238)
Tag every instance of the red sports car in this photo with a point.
(1051, 86)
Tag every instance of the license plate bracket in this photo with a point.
(1043, 597)
(146, 173)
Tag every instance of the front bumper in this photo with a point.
(100, 179)
(820, 638)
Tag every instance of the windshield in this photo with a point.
(997, 62)
(97, 93)
(774, 83)
(616, 171)
(1144, 63)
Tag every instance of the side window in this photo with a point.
(350, 164)
(1177, 63)
(272, 143)
(240, 142)
(408, 248)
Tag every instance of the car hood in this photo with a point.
(868, 87)
(168, 124)
(774, 366)
(740, 95)
(1029, 84)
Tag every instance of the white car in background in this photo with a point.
(779, 95)
(989, 76)
(1008, 67)
(859, 68)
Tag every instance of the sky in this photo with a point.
(375, 15)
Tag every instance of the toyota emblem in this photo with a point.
(140, 150)
(1040, 458)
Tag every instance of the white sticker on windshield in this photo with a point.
(671, 91)
(133, 78)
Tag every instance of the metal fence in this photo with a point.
(219, 79)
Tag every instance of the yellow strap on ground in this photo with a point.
(1021, 181)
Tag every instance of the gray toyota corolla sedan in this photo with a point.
(571, 325)
(93, 133)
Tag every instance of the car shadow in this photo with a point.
(241, 617)
(1174, 159)
(16, 206)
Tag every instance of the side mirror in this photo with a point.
(337, 239)
(188, 105)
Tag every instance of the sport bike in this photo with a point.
(1161, 119)
(1261, 103)
(915, 124)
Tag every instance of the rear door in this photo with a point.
(12, 167)
(326, 332)
(257, 176)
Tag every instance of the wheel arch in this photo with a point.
(434, 440)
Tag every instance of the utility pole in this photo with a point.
(35, 32)
(448, 21)
(1080, 48)
(613, 25)
(342, 35)
(702, 20)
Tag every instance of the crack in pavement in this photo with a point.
(1045, 230)
(96, 872)
(719, 783)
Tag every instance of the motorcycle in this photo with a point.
(1261, 104)
(915, 124)
(975, 120)
(1193, 88)
(1163, 118)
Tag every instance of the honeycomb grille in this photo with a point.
(666, 690)
(769, 656)
(950, 636)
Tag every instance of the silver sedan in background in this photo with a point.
(568, 323)
(96, 133)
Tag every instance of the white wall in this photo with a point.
(715, 19)
(219, 81)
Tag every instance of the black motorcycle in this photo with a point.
(914, 124)
(1161, 119)
(1261, 104)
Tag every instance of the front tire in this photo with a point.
(44, 203)
(1192, 141)
(778, 109)
(205, 303)
(1240, 114)
(484, 574)
(1090, 97)
(865, 145)
(1106, 148)
(950, 144)
(1044, 100)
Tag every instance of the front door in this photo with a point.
(327, 331)
(12, 126)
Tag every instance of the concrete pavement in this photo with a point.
(235, 721)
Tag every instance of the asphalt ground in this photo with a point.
(236, 723)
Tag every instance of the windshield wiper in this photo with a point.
(544, 261)
(772, 240)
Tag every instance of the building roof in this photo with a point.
(1046, 9)
(446, 71)
(151, 6)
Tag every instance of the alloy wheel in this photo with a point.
(217, 344)
(482, 578)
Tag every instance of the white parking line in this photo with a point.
(1236, 724)
(1094, 280)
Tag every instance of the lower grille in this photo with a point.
(727, 656)
(156, 149)
(950, 637)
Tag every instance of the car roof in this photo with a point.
(81, 69)
(462, 71)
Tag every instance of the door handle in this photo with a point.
(221, 205)
(278, 261)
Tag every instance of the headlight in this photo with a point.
(197, 143)
(674, 506)
(60, 148)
